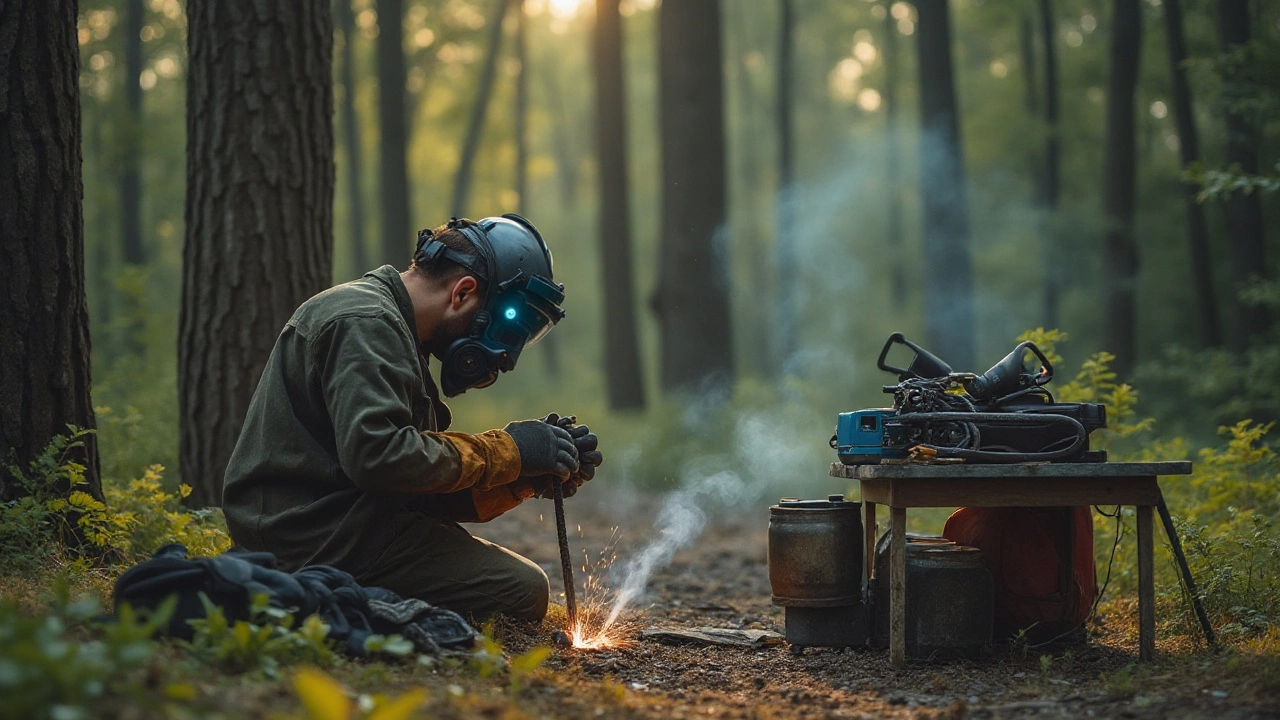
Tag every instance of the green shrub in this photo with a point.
(1225, 513)
(261, 644)
(54, 512)
(55, 517)
(48, 669)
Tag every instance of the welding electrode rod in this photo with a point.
(566, 563)
(1172, 533)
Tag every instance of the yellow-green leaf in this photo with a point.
(400, 708)
(322, 696)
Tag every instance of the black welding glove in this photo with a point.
(589, 457)
(545, 448)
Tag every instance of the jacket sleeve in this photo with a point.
(368, 374)
(479, 506)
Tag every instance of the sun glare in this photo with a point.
(565, 8)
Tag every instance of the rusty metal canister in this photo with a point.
(950, 598)
(815, 570)
(815, 552)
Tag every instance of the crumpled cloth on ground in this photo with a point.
(230, 580)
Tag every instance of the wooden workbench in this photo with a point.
(1020, 485)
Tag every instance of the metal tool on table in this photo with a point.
(1004, 415)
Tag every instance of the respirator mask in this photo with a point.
(521, 302)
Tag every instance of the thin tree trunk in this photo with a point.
(1189, 148)
(521, 110)
(397, 238)
(787, 318)
(1027, 49)
(753, 235)
(1120, 249)
(692, 299)
(44, 319)
(134, 251)
(562, 144)
(1054, 275)
(1244, 211)
(351, 139)
(621, 337)
(259, 209)
(479, 109)
(895, 236)
(949, 316)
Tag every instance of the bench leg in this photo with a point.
(869, 540)
(898, 587)
(1146, 586)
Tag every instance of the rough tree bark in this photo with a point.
(479, 109)
(1052, 183)
(948, 304)
(692, 297)
(787, 308)
(1245, 240)
(623, 377)
(44, 359)
(351, 138)
(1120, 248)
(259, 209)
(895, 235)
(397, 237)
(133, 249)
(1189, 148)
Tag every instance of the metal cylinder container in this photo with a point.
(815, 552)
(815, 567)
(950, 598)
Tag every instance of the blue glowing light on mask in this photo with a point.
(510, 313)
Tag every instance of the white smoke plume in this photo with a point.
(764, 452)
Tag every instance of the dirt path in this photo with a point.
(721, 580)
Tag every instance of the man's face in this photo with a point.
(461, 301)
(451, 328)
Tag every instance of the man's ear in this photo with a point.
(465, 293)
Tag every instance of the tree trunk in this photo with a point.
(134, 251)
(1244, 211)
(1120, 249)
(948, 303)
(895, 236)
(1189, 148)
(351, 139)
(397, 238)
(479, 109)
(259, 210)
(755, 233)
(1052, 184)
(521, 110)
(692, 298)
(621, 338)
(787, 319)
(562, 144)
(44, 320)
(1027, 49)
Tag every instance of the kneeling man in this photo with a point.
(345, 459)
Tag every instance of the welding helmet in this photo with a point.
(521, 301)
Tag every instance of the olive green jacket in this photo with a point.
(343, 449)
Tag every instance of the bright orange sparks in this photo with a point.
(596, 627)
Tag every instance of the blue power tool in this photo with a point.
(860, 437)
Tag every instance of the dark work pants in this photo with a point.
(436, 560)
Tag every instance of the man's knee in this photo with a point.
(530, 591)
